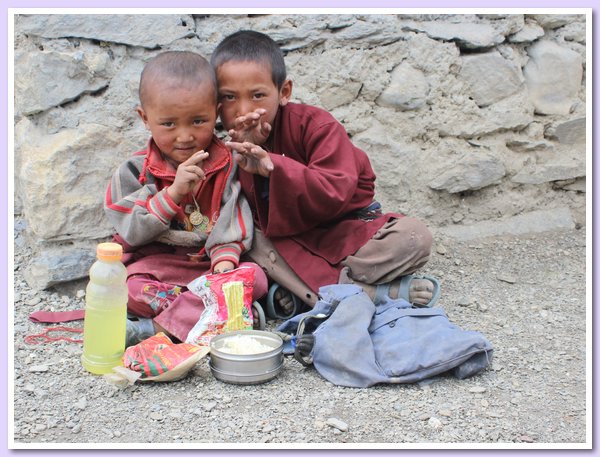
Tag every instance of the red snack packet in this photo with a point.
(159, 359)
(228, 304)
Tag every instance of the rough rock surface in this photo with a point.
(465, 117)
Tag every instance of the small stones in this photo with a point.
(34, 301)
(155, 415)
(477, 390)
(209, 406)
(464, 301)
(441, 249)
(507, 278)
(81, 404)
(337, 424)
(434, 422)
(268, 428)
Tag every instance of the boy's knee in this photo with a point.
(261, 281)
(420, 235)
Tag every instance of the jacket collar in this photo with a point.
(156, 165)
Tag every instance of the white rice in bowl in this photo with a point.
(244, 345)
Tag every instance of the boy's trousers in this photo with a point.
(399, 248)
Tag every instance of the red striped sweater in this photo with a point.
(140, 209)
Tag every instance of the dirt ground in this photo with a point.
(527, 295)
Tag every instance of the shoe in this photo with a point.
(261, 322)
(383, 290)
(138, 331)
(304, 338)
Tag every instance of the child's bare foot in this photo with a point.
(283, 299)
(281, 302)
(420, 291)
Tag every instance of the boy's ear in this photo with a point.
(143, 116)
(285, 93)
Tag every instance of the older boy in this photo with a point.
(177, 206)
(311, 190)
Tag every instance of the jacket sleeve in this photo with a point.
(320, 189)
(232, 233)
(139, 213)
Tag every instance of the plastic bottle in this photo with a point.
(105, 311)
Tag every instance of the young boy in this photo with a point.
(310, 189)
(177, 206)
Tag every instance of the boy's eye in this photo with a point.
(259, 96)
(227, 97)
(168, 124)
(198, 122)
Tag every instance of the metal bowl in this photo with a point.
(246, 368)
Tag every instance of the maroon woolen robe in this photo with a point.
(305, 207)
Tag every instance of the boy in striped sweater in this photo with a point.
(177, 206)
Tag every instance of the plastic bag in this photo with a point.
(159, 359)
(228, 304)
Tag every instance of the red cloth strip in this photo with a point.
(57, 316)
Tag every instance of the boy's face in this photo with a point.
(181, 118)
(245, 86)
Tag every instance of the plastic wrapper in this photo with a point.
(228, 304)
(159, 359)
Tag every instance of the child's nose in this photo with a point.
(243, 107)
(184, 136)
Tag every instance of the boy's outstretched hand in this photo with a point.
(251, 128)
(252, 158)
(189, 173)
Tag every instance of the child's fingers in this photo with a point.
(196, 158)
(236, 146)
(242, 162)
(192, 173)
(266, 128)
(245, 121)
(255, 151)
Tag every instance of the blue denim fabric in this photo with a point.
(361, 344)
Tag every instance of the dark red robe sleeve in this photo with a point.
(319, 177)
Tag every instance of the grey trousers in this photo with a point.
(400, 247)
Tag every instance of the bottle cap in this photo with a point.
(109, 251)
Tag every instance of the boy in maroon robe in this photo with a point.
(310, 189)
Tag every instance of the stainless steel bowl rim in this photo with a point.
(252, 375)
(246, 357)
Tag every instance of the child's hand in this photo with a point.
(252, 158)
(251, 128)
(189, 173)
(223, 266)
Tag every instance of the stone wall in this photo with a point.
(474, 123)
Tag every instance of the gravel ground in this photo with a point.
(526, 295)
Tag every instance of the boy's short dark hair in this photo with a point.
(184, 66)
(248, 45)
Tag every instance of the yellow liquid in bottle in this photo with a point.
(105, 317)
